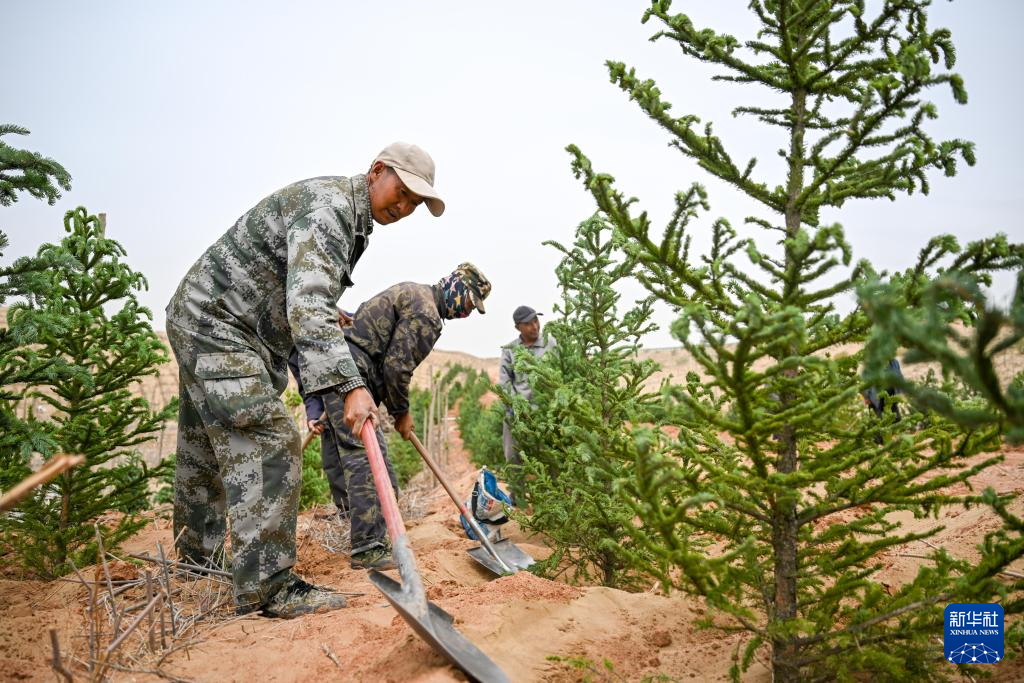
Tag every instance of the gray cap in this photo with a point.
(524, 314)
(416, 169)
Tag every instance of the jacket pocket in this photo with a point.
(237, 388)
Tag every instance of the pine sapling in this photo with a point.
(776, 462)
(589, 392)
(98, 411)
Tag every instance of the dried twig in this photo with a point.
(177, 564)
(134, 625)
(152, 672)
(106, 572)
(92, 604)
(330, 655)
(167, 587)
(57, 664)
(149, 596)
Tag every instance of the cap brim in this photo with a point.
(421, 188)
(478, 302)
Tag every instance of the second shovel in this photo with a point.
(502, 557)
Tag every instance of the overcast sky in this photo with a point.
(175, 118)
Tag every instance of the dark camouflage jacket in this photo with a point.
(271, 282)
(391, 335)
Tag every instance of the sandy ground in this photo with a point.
(519, 621)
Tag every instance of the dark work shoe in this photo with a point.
(378, 557)
(297, 597)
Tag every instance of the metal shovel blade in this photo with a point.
(511, 554)
(434, 625)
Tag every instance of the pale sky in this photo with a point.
(175, 118)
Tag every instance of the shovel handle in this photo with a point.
(382, 482)
(311, 435)
(53, 467)
(484, 541)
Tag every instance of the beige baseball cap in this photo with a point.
(416, 169)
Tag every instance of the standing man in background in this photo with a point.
(517, 383)
(269, 284)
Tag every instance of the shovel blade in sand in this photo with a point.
(434, 626)
(512, 555)
(486, 553)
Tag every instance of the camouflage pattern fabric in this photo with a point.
(237, 454)
(269, 283)
(463, 290)
(368, 527)
(390, 335)
(314, 406)
(330, 459)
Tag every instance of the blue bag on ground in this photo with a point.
(488, 503)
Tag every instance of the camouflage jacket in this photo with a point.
(271, 281)
(390, 335)
(517, 383)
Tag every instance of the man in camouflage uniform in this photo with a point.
(389, 337)
(269, 284)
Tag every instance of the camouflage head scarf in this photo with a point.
(463, 290)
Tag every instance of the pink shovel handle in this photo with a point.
(382, 482)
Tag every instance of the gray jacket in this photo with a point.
(517, 384)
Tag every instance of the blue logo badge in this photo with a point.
(974, 632)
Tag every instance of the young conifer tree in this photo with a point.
(20, 364)
(588, 392)
(776, 458)
(24, 171)
(96, 412)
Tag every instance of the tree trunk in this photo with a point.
(784, 517)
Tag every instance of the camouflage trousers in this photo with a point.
(331, 462)
(238, 457)
(368, 528)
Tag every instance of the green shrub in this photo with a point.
(316, 490)
(798, 493)
(404, 458)
(479, 425)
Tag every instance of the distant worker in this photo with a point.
(876, 400)
(516, 383)
(268, 285)
(389, 337)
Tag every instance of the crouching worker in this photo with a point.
(389, 337)
(268, 285)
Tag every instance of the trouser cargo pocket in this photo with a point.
(237, 388)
